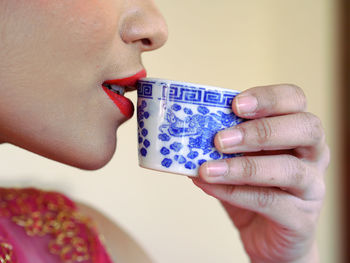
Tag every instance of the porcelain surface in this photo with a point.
(177, 123)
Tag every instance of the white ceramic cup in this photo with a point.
(177, 123)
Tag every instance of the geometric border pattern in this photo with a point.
(144, 89)
(199, 96)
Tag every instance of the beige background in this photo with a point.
(230, 43)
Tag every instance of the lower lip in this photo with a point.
(124, 104)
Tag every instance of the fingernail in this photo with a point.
(229, 138)
(246, 104)
(216, 169)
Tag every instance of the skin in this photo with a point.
(274, 193)
(59, 61)
(51, 71)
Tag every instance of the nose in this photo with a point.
(144, 26)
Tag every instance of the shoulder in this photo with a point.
(120, 245)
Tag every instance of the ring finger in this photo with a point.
(282, 171)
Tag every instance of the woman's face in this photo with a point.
(54, 56)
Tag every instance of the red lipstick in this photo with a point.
(128, 81)
(124, 104)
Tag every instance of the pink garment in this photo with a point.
(45, 227)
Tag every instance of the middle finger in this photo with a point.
(273, 133)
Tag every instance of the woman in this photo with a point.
(54, 58)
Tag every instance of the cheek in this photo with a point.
(62, 37)
(81, 29)
(63, 44)
(83, 137)
(90, 26)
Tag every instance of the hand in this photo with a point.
(274, 192)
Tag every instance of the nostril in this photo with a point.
(144, 28)
(146, 42)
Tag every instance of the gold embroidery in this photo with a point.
(73, 235)
(6, 252)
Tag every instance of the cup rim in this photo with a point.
(189, 84)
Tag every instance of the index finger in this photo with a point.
(270, 100)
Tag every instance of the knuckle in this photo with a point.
(263, 131)
(309, 215)
(299, 96)
(229, 191)
(303, 224)
(265, 197)
(249, 167)
(273, 95)
(322, 189)
(326, 158)
(318, 190)
(229, 163)
(317, 187)
(313, 187)
(313, 128)
(298, 172)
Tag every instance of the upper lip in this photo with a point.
(127, 82)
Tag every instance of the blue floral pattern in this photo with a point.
(199, 129)
(142, 131)
(192, 118)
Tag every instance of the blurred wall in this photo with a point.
(230, 43)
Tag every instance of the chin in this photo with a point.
(85, 154)
(93, 162)
(95, 157)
